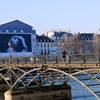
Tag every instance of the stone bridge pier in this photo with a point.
(8, 95)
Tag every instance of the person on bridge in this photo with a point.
(64, 55)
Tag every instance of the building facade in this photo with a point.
(45, 45)
(57, 36)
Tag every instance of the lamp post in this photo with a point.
(10, 51)
(10, 62)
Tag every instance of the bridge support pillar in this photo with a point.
(8, 95)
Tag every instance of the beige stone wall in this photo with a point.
(44, 95)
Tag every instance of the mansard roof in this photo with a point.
(43, 38)
(15, 25)
(60, 33)
(86, 36)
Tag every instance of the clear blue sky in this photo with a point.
(45, 15)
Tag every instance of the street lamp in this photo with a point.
(10, 62)
(10, 51)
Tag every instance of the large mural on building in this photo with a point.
(15, 43)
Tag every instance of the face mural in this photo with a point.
(16, 42)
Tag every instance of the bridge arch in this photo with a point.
(69, 75)
(52, 69)
(26, 74)
(8, 69)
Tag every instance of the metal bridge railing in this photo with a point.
(72, 58)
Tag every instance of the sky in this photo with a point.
(45, 15)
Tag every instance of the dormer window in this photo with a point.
(90, 37)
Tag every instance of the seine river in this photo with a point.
(79, 92)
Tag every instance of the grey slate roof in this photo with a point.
(18, 26)
(15, 25)
(43, 38)
(86, 36)
(60, 34)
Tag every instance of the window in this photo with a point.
(48, 51)
(41, 51)
(7, 31)
(11, 30)
(3, 30)
(44, 45)
(41, 45)
(21, 31)
(18, 31)
(48, 45)
(44, 51)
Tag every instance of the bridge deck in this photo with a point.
(61, 65)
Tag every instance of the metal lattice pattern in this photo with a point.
(89, 78)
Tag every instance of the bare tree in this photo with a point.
(97, 43)
(67, 43)
(76, 44)
(71, 44)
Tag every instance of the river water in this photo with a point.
(79, 92)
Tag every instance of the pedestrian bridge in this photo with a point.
(36, 71)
